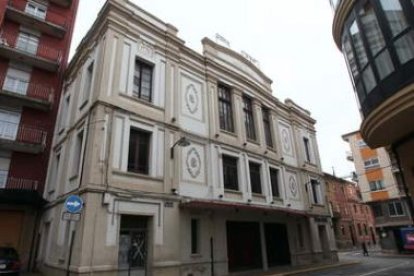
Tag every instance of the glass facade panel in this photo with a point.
(404, 47)
(371, 29)
(395, 15)
(369, 79)
(349, 55)
(384, 64)
(358, 45)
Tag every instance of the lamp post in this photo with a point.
(182, 142)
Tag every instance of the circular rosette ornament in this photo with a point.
(193, 163)
(192, 100)
(293, 186)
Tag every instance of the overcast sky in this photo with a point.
(292, 40)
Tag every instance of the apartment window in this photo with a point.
(316, 191)
(9, 124)
(307, 149)
(88, 83)
(371, 163)
(138, 153)
(16, 81)
(300, 236)
(376, 185)
(361, 144)
(359, 229)
(395, 209)
(195, 233)
(225, 108)
(355, 209)
(36, 9)
(54, 173)
(274, 181)
(27, 42)
(64, 114)
(230, 177)
(77, 153)
(142, 87)
(267, 127)
(248, 118)
(377, 210)
(365, 229)
(255, 179)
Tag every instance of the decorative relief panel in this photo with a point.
(145, 49)
(193, 163)
(191, 98)
(292, 186)
(286, 139)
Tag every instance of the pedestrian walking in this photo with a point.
(364, 249)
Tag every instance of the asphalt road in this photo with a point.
(376, 264)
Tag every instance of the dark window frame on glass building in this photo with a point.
(249, 118)
(225, 108)
(230, 172)
(379, 55)
(142, 81)
(255, 177)
(267, 126)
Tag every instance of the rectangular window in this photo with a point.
(77, 153)
(377, 210)
(395, 16)
(230, 176)
(248, 118)
(307, 149)
(274, 181)
(16, 81)
(142, 86)
(376, 185)
(54, 173)
(365, 229)
(355, 209)
(87, 84)
(316, 191)
(267, 127)
(255, 179)
(36, 9)
(9, 124)
(64, 114)
(195, 230)
(359, 229)
(361, 144)
(225, 108)
(27, 42)
(138, 153)
(371, 163)
(395, 209)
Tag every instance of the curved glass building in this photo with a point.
(377, 40)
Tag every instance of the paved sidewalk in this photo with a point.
(310, 268)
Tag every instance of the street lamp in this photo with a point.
(182, 142)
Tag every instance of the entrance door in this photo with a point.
(277, 244)
(323, 237)
(11, 223)
(132, 252)
(243, 246)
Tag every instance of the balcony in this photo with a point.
(63, 3)
(21, 138)
(12, 46)
(12, 183)
(50, 23)
(19, 92)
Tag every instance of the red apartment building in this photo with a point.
(35, 37)
(353, 221)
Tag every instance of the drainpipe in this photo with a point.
(406, 191)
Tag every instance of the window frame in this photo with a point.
(135, 167)
(306, 144)
(227, 163)
(316, 192)
(249, 121)
(37, 6)
(267, 126)
(195, 237)
(255, 176)
(225, 108)
(278, 182)
(142, 65)
(394, 206)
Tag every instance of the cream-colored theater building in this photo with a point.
(242, 191)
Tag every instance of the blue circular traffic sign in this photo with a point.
(74, 204)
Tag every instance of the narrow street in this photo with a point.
(376, 264)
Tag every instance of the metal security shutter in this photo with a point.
(10, 228)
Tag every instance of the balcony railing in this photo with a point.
(22, 134)
(11, 40)
(26, 88)
(13, 183)
(49, 16)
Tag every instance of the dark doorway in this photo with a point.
(323, 237)
(243, 246)
(351, 231)
(132, 254)
(277, 244)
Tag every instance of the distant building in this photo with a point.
(378, 181)
(243, 191)
(376, 38)
(35, 39)
(353, 221)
